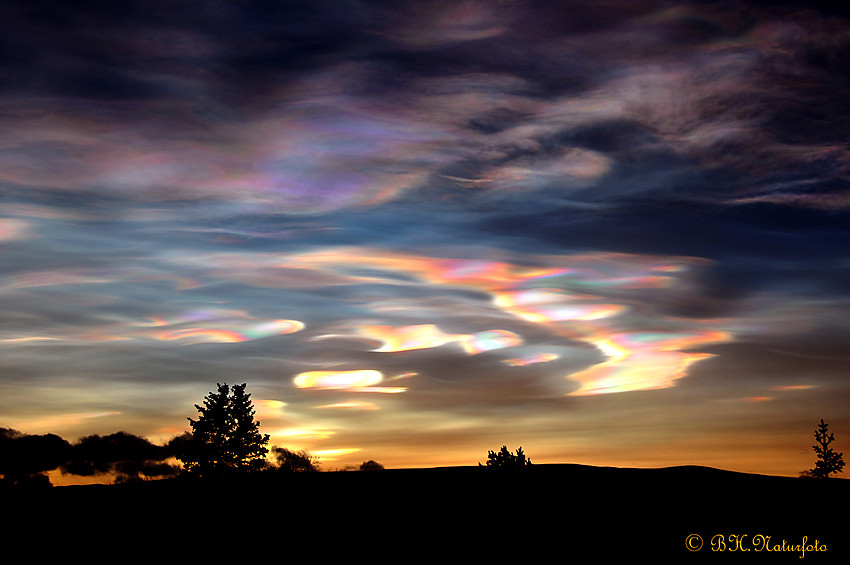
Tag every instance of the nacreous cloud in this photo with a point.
(426, 336)
(364, 380)
(577, 298)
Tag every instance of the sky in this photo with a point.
(608, 232)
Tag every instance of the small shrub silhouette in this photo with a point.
(371, 465)
(506, 460)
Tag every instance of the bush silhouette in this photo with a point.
(829, 461)
(371, 465)
(294, 461)
(506, 460)
(225, 438)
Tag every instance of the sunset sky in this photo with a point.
(610, 232)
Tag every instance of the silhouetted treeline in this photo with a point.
(25, 459)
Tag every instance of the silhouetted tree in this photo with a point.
(25, 459)
(225, 438)
(121, 453)
(828, 460)
(371, 465)
(179, 446)
(504, 459)
(294, 461)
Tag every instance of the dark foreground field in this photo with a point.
(554, 513)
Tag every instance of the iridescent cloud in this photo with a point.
(231, 326)
(547, 305)
(220, 327)
(12, 228)
(82, 276)
(200, 326)
(531, 359)
(636, 359)
(359, 380)
(350, 404)
(427, 336)
(642, 361)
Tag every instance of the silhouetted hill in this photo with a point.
(615, 511)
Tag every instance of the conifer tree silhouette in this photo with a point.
(829, 461)
(225, 438)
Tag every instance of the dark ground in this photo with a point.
(553, 513)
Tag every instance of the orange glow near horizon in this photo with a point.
(766, 460)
